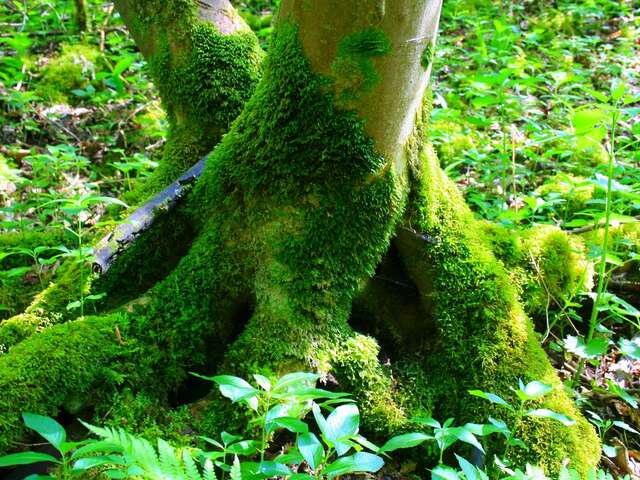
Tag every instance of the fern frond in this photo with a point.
(236, 473)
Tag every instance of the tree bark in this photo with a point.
(326, 168)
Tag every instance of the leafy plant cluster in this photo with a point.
(328, 447)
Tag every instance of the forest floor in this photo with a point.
(536, 116)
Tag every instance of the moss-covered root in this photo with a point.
(205, 62)
(548, 266)
(68, 366)
(48, 307)
(484, 339)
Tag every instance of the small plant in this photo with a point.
(526, 394)
(77, 213)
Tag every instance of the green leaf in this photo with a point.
(585, 120)
(545, 413)
(297, 378)
(631, 348)
(311, 449)
(594, 349)
(26, 458)
(622, 393)
(492, 397)
(245, 448)
(442, 472)
(618, 89)
(533, 390)
(123, 64)
(262, 381)
(466, 436)
(92, 462)
(236, 389)
(274, 469)
(359, 462)
(428, 421)
(289, 423)
(626, 427)
(407, 440)
(236, 472)
(229, 438)
(322, 422)
(470, 471)
(47, 427)
(343, 423)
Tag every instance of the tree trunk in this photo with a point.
(324, 174)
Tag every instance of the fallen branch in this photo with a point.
(117, 242)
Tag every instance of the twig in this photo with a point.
(104, 27)
(58, 125)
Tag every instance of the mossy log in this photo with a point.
(324, 172)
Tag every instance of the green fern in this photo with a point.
(162, 463)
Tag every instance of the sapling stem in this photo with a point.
(602, 267)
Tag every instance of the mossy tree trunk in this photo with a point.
(323, 178)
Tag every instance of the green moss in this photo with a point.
(204, 86)
(548, 266)
(72, 69)
(354, 69)
(56, 368)
(47, 308)
(146, 416)
(451, 140)
(485, 341)
(575, 191)
(288, 193)
(427, 55)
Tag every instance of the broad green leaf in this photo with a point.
(587, 119)
(533, 390)
(594, 349)
(407, 440)
(622, 393)
(466, 436)
(626, 427)
(262, 381)
(47, 427)
(123, 64)
(545, 413)
(97, 447)
(442, 472)
(274, 469)
(324, 427)
(296, 378)
(492, 397)
(311, 449)
(359, 462)
(344, 421)
(92, 462)
(618, 89)
(470, 471)
(236, 389)
(428, 421)
(244, 447)
(289, 423)
(26, 458)
(228, 438)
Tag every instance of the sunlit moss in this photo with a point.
(73, 68)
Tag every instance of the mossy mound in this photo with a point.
(548, 266)
(73, 68)
(451, 140)
(573, 190)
